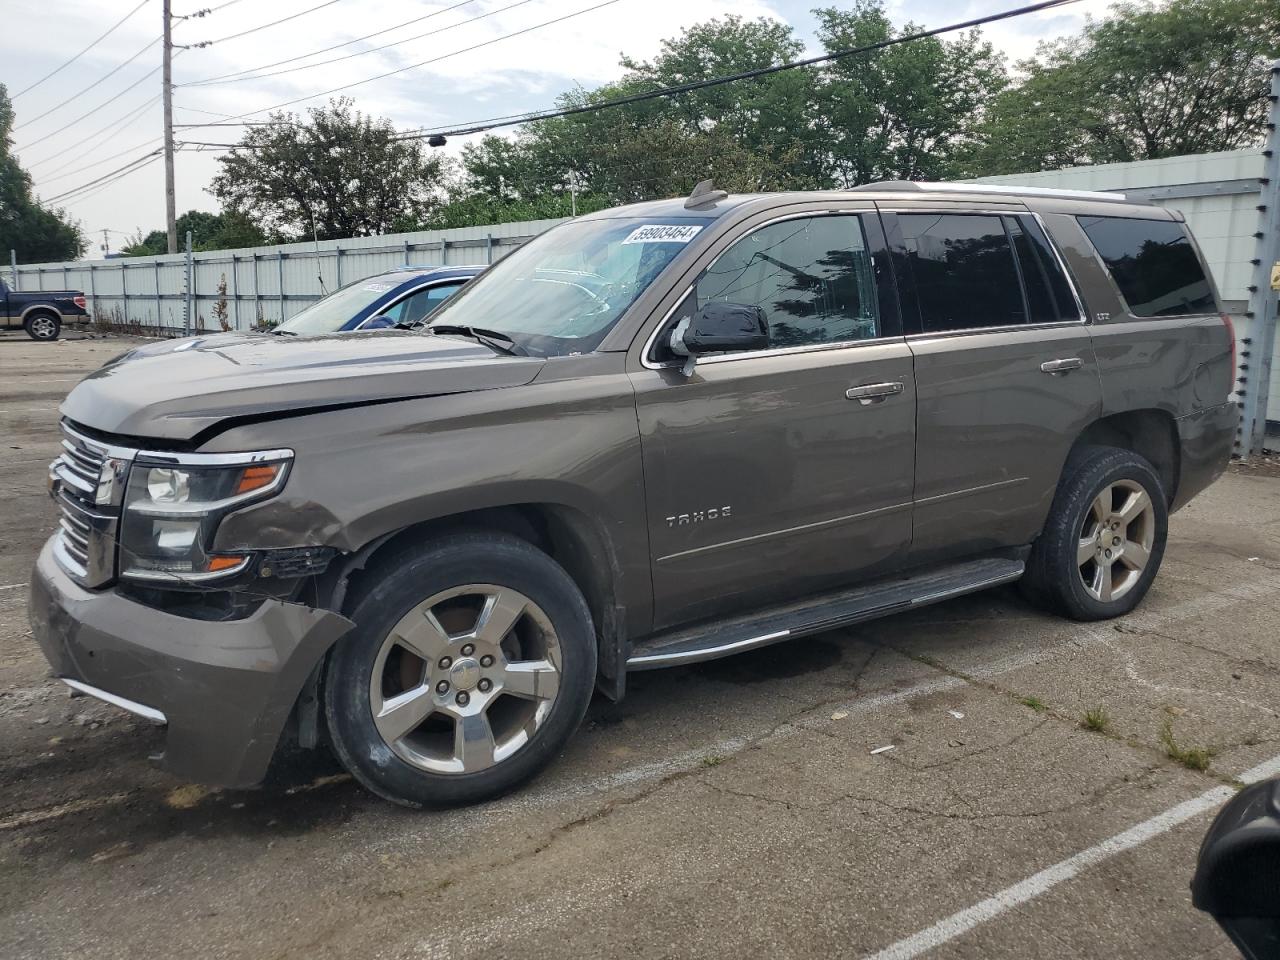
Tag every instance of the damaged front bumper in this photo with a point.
(223, 689)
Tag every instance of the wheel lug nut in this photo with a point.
(442, 686)
(463, 699)
(1108, 554)
(446, 663)
(468, 650)
(485, 685)
(486, 661)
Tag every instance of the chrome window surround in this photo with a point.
(647, 352)
(1057, 256)
(88, 527)
(844, 344)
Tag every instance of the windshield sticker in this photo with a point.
(661, 233)
(376, 287)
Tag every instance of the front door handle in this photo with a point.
(874, 392)
(1061, 366)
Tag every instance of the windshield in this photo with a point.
(335, 311)
(564, 290)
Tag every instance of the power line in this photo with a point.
(265, 26)
(80, 93)
(129, 167)
(337, 46)
(94, 110)
(385, 46)
(97, 190)
(445, 56)
(114, 126)
(495, 123)
(57, 175)
(68, 63)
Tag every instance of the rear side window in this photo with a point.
(963, 270)
(1049, 298)
(1153, 263)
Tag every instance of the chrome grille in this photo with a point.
(87, 480)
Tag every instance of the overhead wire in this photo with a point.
(385, 46)
(81, 92)
(495, 123)
(264, 26)
(115, 26)
(337, 46)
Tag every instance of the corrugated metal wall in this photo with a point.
(262, 283)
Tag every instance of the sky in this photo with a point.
(81, 124)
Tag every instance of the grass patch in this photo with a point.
(1035, 703)
(714, 760)
(1193, 758)
(1097, 719)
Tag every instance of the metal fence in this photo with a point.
(261, 284)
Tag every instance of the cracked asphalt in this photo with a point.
(724, 810)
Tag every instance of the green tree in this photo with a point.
(904, 112)
(209, 231)
(1150, 81)
(337, 172)
(36, 234)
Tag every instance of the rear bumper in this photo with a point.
(222, 689)
(1206, 439)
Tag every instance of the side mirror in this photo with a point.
(1237, 877)
(719, 327)
(380, 322)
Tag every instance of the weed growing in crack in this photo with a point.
(1097, 719)
(1035, 703)
(1193, 758)
(713, 761)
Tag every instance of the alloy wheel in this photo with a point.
(43, 328)
(465, 679)
(1116, 539)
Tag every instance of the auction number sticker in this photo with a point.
(661, 233)
(377, 287)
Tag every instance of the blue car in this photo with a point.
(404, 296)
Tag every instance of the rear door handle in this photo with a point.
(874, 392)
(1065, 365)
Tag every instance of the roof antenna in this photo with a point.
(704, 195)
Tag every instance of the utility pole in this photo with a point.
(170, 202)
(106, 242)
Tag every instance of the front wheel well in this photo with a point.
(1152, 434)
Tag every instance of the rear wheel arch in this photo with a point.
(1150, 433)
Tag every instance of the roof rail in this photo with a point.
(914, 186)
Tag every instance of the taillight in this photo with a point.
(1231, 338)
(79, 301)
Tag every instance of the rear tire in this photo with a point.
(43, 326)
(471, 664)
(1105, 537)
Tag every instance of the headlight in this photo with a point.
(173, 506)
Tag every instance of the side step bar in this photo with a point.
(709, 641)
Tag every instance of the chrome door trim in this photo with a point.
(981, 488)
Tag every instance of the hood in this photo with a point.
(175, 389)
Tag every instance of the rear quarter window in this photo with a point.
(1153, 263)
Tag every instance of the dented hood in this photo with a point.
(173, 390)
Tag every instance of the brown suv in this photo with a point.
(653, 435)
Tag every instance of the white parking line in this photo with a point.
(1044, 881)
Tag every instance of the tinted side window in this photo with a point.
(813, 277)
(963, 271)
(1049, 297)
(1153, 264)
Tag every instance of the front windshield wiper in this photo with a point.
(276, 331)
(490, 338)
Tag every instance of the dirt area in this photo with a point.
(740, 808)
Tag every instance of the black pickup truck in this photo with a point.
(40, 312)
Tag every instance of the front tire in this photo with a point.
(1105, 537)
(471, 664)
(43, 326)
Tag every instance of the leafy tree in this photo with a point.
(903, 112)
(37, 234)
(1189, 76)
(337, 172)
(209, 231)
